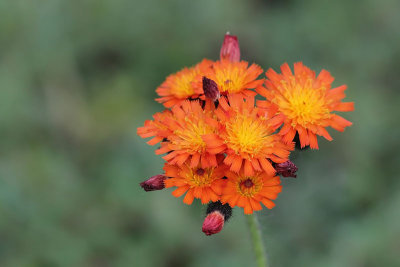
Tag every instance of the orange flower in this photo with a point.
(248, 191)
(180, 86)
(205, 184)
(155, 128)
(235, 77)
(304, 103)
(187, 125)
(246, 137)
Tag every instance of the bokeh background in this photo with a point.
(78, 77)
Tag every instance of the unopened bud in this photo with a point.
(217, 215)
(155, 182)
(213, 223)
(286, 169)
(210, 89)
(230, 48)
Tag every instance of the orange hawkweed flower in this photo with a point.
(203, 183)
(248, 191)
(246, 137)
(303, 103)
(235, 77)
(181, 85)
(187, 126)
(155, 128)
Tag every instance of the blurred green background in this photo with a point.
(78, 77)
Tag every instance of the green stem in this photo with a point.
(256, 240)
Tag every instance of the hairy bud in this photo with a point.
(210, 89)
(213, 223)
(230, 48)
(154, 183)
(217, 215)
(286, 169)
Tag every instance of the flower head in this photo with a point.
(203, 183)
(223, 149)
(249, 191)
(246, 137)
(182, 85)
(304, 103)
(235, 77)
(186, 127)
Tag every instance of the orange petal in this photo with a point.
(268, 203)
(212, 160)
(163, 149)
(313, 140)
(323, 132)
(212, 140)
(188, 199)
(155, 140)
(339, 123)
(286, 70)
(337, 93)
(303, 135)
(181, 158)
(248, 168)
(272, 181)
(248, 209)
(236, 164)
(266, 165)
(287, 138)
(256, 164)
(180, 191)
(195, 160)
(344, 106)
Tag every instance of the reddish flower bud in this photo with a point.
(230, 48)
(286, 169)
(210, 89)
(154, 183)
(213, 223)
(217, 215)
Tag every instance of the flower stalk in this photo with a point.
(256, 240)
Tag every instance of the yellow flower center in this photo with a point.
(182, 84)
(303, 105)
(249, 186)
(230, 79)
(249, 135)
(189, 135)
(200, 177)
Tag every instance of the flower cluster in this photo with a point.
(222, 146)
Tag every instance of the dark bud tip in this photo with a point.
(210, 89)
(225, 209)
(154, 183)
(286, 169)
(213, 223)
